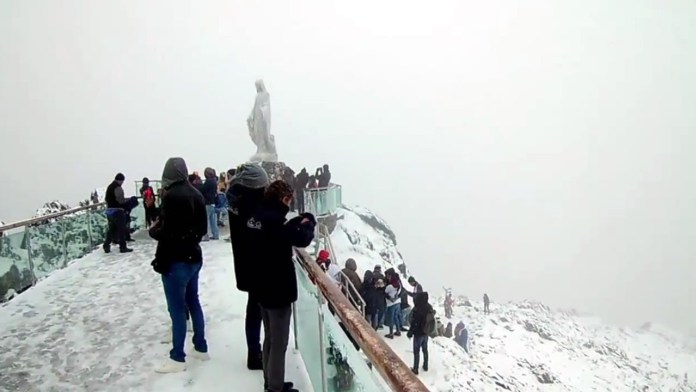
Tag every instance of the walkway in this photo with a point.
(97, 326)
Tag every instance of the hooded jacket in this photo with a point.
(209, 187)
(419, 315)
(272, 279)
(182, 222)
(351, 272)
(244, 196)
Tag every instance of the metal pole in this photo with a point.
(89, 229)
(294, 324)
(322, 346)
(27, 234)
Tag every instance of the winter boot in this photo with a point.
(126, 250)
(254, 361)
(415, 371)
(107, 248)
(389, 336)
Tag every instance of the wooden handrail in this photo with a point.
(28, 222)
(392, 369)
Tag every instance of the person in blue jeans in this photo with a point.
(178, 230)
(422, 323)
(209, 191)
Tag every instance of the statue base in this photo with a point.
(275, 170)
(261, 157)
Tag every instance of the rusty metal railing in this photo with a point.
(397, 375)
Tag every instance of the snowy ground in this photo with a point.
(97, 326)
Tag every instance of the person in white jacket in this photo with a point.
(393, 292)
(332, 270)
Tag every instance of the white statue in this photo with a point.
(259, 123)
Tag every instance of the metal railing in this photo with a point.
(316, 291)
(45, 218)
(347, 286)
(48, 243)
(323, 201)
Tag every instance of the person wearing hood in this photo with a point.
(178, 231)
(370, 295)
(332, 270)
(392, 293)
(461, 336)
(117, 207)
(209, 191)
(448, 331)
(350, 273)
(245, 193)
(273, 240)
(422, 323)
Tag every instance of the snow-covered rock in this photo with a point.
(51, 208)
(525, 346)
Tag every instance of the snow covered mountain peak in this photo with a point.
(525, 346)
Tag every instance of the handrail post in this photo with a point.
(322, 346)
(27, 235)
(294, 324)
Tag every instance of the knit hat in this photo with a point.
(120, 177)
(324, 255)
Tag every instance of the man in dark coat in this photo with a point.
(117, 207)
(178, 231)
(244, 195)
(350, 272)
(422, 321)
(209, 191)
(301, 181)
(272, 239)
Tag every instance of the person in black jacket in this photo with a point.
(117, 207)
(276, 289)
(422, 322)
(178, 230)
(209, 191)
(301, 181)
(244, 195)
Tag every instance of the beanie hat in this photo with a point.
(324, 255)
(120, 177)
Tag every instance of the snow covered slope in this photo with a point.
(526, 346)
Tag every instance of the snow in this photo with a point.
(97, 325)
(521, 343)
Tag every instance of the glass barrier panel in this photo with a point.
(98, 222)
(307, 331)
(77, 238)
(15, 268)
(347, 368)
(47, 247)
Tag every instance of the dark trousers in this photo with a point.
(181, 290)
(420, 342)
(252, 325)
(276, 328)
(116, 230)
(151, 214)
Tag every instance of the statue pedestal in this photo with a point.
(274, 170)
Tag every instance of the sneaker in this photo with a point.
(126, 250)
(415, 371)
(199, 355)
(389, 336)
(171, 366)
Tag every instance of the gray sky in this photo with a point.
(537, 149)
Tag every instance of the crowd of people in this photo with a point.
(187, 210)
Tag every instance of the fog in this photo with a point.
(536, 149)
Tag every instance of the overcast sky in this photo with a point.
(530, 149)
